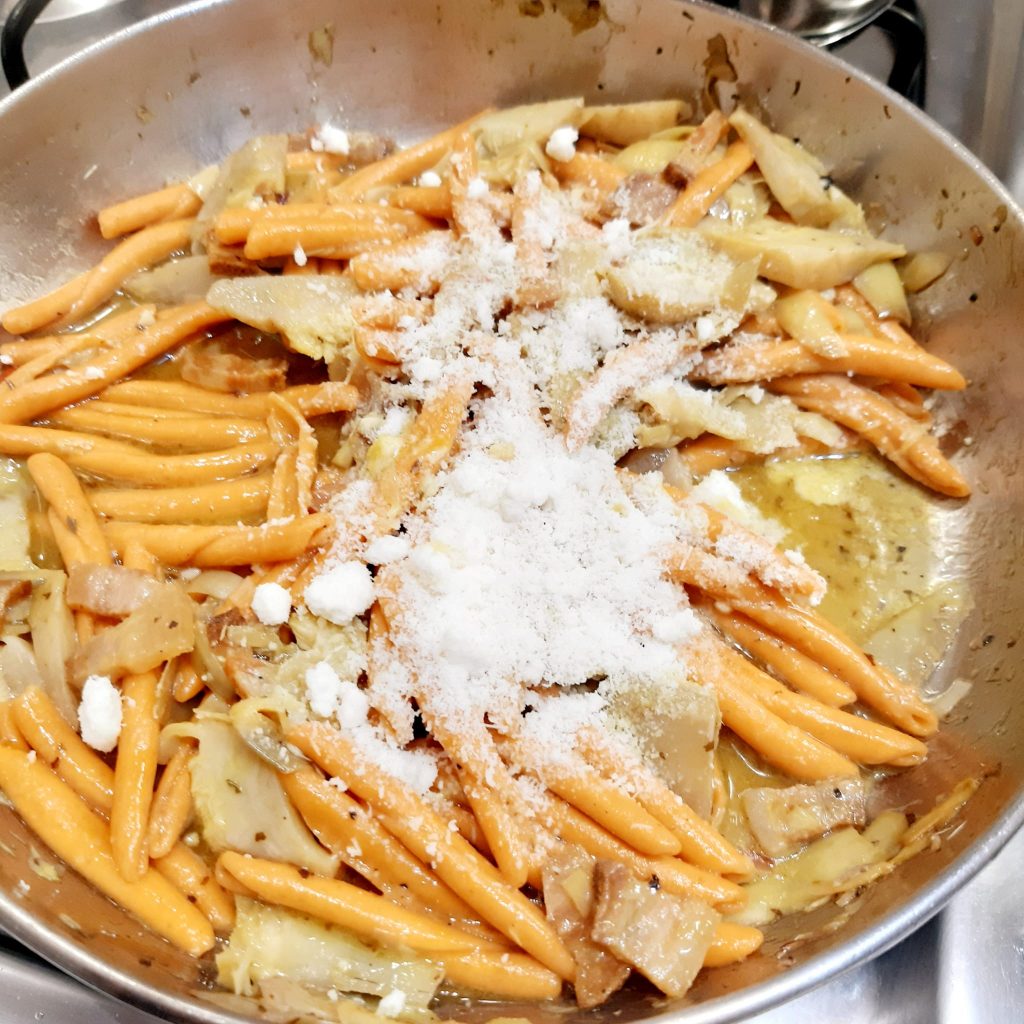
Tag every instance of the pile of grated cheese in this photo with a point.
(529, 583)
(531, 567)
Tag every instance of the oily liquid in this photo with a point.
(870, 532)
(867, 530)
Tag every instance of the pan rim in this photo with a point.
(895, 926)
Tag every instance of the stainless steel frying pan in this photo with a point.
(181, 90)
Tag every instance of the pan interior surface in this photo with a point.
(158, 102)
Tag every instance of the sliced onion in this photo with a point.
(54, 640)
(209, 665)
(18, 667)
(161, 628)
(217, 583)
(257, 721)
(110, 590)
(213, 366)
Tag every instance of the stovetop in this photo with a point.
(965, 966)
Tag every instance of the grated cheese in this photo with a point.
(99, 713)
(561, 145)
(272, 604)
(329, 139)
(341, 593)
(525, 591)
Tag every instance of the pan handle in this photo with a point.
(904, 26)
(12, 40)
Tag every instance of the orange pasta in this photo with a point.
(709, 186)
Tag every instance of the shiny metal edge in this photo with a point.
(763, 996)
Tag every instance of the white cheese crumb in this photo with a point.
(706, 329)
(330, 140)
(392, 1004)
(299, 255)
(395, 421)
(323, 689)
(93, 373)
(331, 696)
(341, 593)
(188, 574)
(6, 360)
(31, 756)
(272, 604)
(477, 188)
(99, 714)
(561, 146)
(332, 994)
(387, 549)
(430, 179)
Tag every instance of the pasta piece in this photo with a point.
(898, 437)
(858, 738)
(484, 777)
(234, 224)
(309, 399)
(172, 804)
(426, 200)
(171, 203)
(762, 361)
(418, 262)
(207, 547)
(55, 390)
(590, 170)
(191, 876)
(827, 645)
(82, 839)
(709, 186)
(115, 460)
(368, 915)
(134, 774)
(614, 810)
(10, 735)
(185, 432)
(732, 943)
(402, 165)
(202, 503)
(342, 824)
(801, 672)
(502, 975)
(700, 843)
(336, 239)
(417, 825)
(61, 489)
(46, 310)
(787, 747)
(188, 683)
(59, 746)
